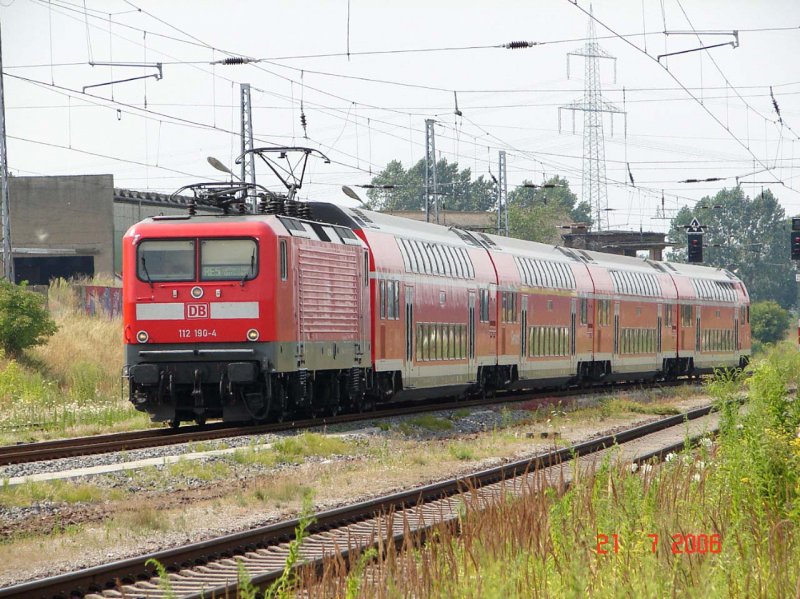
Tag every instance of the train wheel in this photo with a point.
(200, 419)
(175, 423)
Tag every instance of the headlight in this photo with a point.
(197, 292)
(252, 335)
(142, 336)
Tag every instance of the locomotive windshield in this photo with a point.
(166, 260)
(228, 259)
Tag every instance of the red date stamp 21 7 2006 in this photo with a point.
(681, 543)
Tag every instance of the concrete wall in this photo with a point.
(64, 213)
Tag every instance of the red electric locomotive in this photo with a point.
(230, 316)
(260, 316)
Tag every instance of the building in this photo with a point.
(624, 243)
(67, 226)
(471, 221)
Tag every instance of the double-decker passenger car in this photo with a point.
(255, 317)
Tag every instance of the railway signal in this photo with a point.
(694, 234)
(794, 239)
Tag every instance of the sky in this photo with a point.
(698, 115)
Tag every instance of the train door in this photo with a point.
(736, 347)
(615, 357)
(472, 372)
(523, 343)
(408, 369)
(572, 330)
(697, 336)
(659, 334)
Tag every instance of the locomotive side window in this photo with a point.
(284, 264)
(228, 259)
(166, 260)
(584, 310)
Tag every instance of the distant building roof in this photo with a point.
(473, 221)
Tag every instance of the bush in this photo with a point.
(768, 321)
(24, 320)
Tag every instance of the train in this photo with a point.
(313, 311)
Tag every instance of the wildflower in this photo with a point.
(739, 427)
(745, 480)
(701, 465)
(633, 467)
(696, 477)
(646, 468)
(706, 442)
(669, 457)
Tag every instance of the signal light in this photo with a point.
(695, 247)
(142, 337)
(252, 335)
(794, 242)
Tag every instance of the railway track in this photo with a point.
(80, 446)
(210, 568)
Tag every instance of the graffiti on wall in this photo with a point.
(101, 301)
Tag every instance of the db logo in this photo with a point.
(196, 310)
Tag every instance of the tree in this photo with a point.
(768, 321)
(535, 213)
(24, 320)
(457, 190)
(746, 236)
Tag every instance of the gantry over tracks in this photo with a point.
(210, 568)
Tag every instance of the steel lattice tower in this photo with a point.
(593, 105)
(248, 173)
(431, 192)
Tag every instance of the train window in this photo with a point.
(382, 298)
(284, 261)
(419, 342)
(584, 311)
(718, 313)
(550, 305)
(667, 315)
(426, 341)
(461, 265)
(412, 255)
(437, 267)
(509, 306)
(448, 262)
(366, 269)
(171, 260)
(228, 259)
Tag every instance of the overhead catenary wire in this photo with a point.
(361, 105)
(679, 82)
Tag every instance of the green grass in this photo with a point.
(293, 450)
(198, 470)
(461, 451)
(744, 488)
(55, 491)
(431, 422)
(281, 492)
(618, 406)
